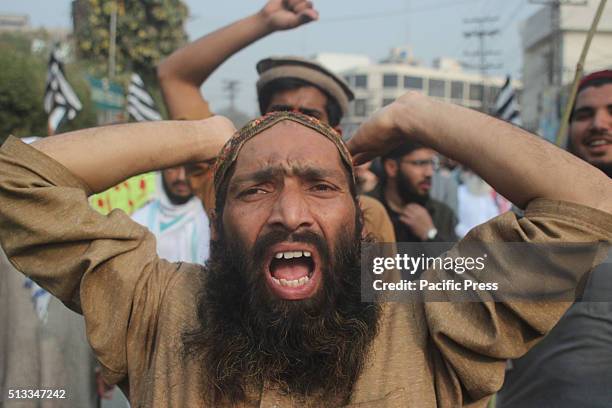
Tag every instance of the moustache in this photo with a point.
(180, 184)
(594, 132)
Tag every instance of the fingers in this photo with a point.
(406, 220)
(303, 8)
(414, 210)
(296, 5)
(358, 147)
(308, 15)
(413, 207)
(362, 158)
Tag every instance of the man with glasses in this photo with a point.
(404, 191)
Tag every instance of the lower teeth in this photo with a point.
(292, 283)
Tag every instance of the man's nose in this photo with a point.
(602, 121)
(291, 209)
(182, 174)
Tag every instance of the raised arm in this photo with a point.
(126, 150)
(519, 165)
(182, 74)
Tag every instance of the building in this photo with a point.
(14, 22)
(378, 84)
(552, 41)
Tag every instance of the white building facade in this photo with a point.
(377, 84)
(552, 40)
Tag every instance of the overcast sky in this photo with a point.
(432, 28)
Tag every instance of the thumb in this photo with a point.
(308, 15)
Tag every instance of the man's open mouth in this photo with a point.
(294, 271)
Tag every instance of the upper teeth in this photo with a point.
(597, 143)
(291, 254)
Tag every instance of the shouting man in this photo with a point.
(285, 84)
(275, 317)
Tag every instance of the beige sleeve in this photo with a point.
(376, 219)
(473, 340)
(105, 267)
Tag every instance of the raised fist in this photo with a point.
(287, 14)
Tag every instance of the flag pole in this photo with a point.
(561, 134)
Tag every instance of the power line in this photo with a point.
(481, 33)
(231, 87)
(394, 13)
(513, 16)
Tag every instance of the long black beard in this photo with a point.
(407, 193)
(313, 349)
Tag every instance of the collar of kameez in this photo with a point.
(232, 147)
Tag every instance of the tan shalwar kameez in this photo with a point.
(136, 306)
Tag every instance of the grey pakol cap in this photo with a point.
(270, 69)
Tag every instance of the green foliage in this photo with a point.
(147, 31)
(22, 81)
(22, 86)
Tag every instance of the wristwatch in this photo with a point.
(432, 233)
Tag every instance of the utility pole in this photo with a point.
(113, 42)
(555, 62)
(231, 87)
(482, 53)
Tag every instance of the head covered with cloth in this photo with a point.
(283, 280)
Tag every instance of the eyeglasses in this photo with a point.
(434, 163)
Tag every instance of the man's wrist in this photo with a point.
(208, 136)
(262, 20)
(402, 112)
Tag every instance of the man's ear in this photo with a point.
(390, 168)
(339, 130)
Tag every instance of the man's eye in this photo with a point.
(582, 115)
(252, 191)
(322, 187)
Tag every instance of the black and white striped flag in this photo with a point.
(60, 101)
(140, 104)
(506, 105)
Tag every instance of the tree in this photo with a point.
(147, 31)
(22, 86)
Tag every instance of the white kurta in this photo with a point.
(182, 231)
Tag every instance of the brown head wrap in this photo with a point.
(230, 151)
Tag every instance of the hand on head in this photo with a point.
(378, 135)
(288, 14)
(218, 130)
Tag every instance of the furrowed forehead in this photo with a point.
(291, 149)
(267, 144)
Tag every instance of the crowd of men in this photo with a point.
(241, 283)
